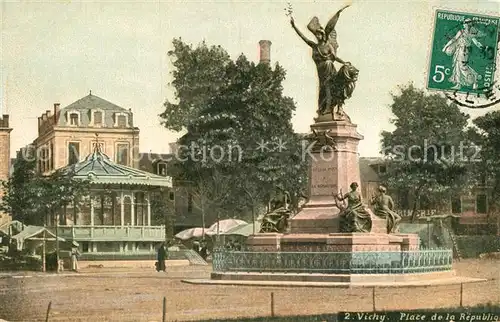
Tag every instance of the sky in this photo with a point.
(57, 51)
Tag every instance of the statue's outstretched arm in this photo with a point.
(307, 41)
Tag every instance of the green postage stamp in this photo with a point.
(464, 51)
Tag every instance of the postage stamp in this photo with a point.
(464, 53)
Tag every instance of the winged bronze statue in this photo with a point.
(334, 86)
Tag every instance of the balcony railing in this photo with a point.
(112, 233)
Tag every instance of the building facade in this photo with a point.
(4, 159)
(65, 135)
(471, 209)
(186, 213)
(97, 141)
(117, 215)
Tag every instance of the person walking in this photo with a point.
(204, 250)
(74, 259)
(162, 256)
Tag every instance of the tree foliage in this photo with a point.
(197, 77)
(30, 197)
(428, 153)
(162, 212)
(18, 194)
(238, 126)
(486, 134)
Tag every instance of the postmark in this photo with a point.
(464, 57)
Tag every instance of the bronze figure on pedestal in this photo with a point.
(334, 86)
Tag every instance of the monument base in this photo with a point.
(363, 279)
(323, 218)
(336, 242)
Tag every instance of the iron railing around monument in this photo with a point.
(383, 262)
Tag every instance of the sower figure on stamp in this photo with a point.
(383, 208)
(355, 218)
(334, 87)
(460, 47)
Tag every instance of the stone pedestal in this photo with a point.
(334, 242)
(264, 242)
(314, 249)
(334, 166)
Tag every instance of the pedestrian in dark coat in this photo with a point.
(162, 256)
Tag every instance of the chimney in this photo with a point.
(5, 121)
(265, 51)
(56, 111)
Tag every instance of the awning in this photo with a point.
(244, 230)
(224, 225)
(34, 233)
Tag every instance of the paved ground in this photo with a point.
(124, 295)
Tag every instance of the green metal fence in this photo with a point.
(419, 261)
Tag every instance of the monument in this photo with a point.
(336, 237)
(324, 224)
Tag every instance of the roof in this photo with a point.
(147, 161)
(89, 103)
(245, 230)
(99, 169)
(368, 170)
(32, 232)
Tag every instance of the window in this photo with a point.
(190, 202)
(73, 152)
(171, 196)
(481, 204)
(122, 154)
(98, 145)
(73, 118)
(122, 121)
(51, 165)
(97, 118)
(46, 158)
(140, 208)
(43, 159)
(382, 169)
(456, 205)
(161, 169)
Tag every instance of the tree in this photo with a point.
(19, 192)
(238, 123)
(210, 192)
(486, 134)
(198, 76)
(31, 198)
(162, 212)
(428, 152)
(58, 190)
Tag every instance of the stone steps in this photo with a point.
(332, 278)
